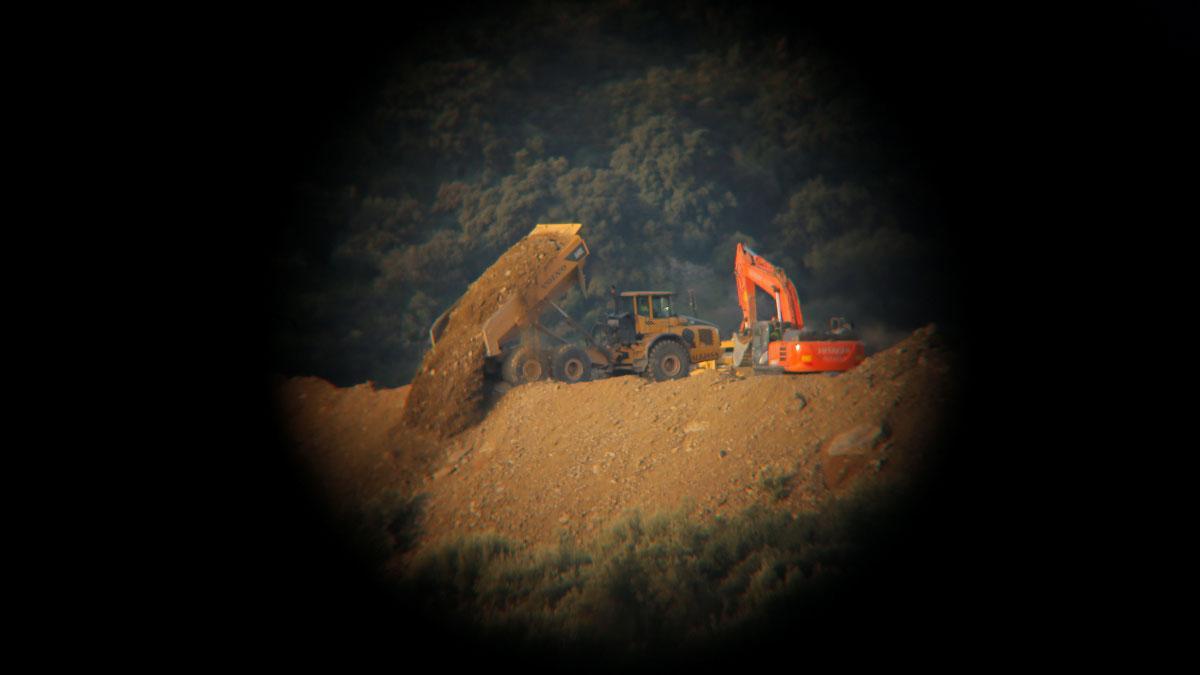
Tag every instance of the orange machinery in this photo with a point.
(784, 344)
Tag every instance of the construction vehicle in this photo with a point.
(785, 344)
(642, 334)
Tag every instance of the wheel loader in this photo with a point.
(643, 334)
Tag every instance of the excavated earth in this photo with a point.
(550, 460)
(447, 392)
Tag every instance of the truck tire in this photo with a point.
(524, 364)
(571, 364)
(668, 361)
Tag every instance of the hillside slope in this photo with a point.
(551, 460)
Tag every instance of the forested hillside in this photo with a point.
(669, 134)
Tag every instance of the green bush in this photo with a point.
(388, 524)
(646, 583)
(775, 482)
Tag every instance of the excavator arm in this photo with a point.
(750, 270)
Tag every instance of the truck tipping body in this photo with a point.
(552, 282)
(522, 309)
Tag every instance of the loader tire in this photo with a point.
(571, 364)
(668, 361)
(524, 364)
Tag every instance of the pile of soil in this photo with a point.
(447, 393)
(553, 460)
(345, 436)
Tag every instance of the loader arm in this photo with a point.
(751, 270)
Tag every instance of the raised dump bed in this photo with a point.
(448, 390)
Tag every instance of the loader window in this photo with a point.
(643, 306)
(662, 307)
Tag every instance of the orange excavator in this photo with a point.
(784, 344)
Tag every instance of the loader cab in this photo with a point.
(651, 310)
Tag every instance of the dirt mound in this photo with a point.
(448, 390)
(553, 460)
(345, 436)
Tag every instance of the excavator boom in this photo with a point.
(751, 270)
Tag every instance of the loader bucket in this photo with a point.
(568, 229)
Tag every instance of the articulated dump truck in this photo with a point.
(641, 334)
